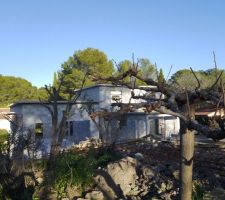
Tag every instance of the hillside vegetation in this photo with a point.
(14, 89)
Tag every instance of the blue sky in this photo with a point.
(36, 37)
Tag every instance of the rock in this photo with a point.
(40, 180)
(139, 156)
(102, 183)
(155, 145)
(176, 174)
(148, 172)
(169, 185)
(119, 178)
(166, 196)
(162, 188)
(98, 195)
(124, 174)
(218, 194)
(89, 142)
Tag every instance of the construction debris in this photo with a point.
(89, 143)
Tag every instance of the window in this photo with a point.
(39, 129)
(116, 96)
(67, 128)
(123, 121)
(82, 130)
(71, 128)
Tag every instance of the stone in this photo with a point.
(40, 180)
(98, 195)
(139, 156)
(218, 194)
(119, 179)
(169, 185)
(148, 172)
(124, 173)
(103, 185)
(162, 188)
(176, 174)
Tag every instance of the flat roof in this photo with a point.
(101, 85)
(37, 102)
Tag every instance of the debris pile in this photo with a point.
(88, 143)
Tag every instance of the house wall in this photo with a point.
(105, 94)
(165, 125)
(135, 127)
(5, 124)
(36, 113)
(90, 94)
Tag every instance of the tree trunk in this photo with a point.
(186, 166)
(54, 150)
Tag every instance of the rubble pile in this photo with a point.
(150, 171)
(88, 143)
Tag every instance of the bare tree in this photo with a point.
(180, 104)
(52, 105)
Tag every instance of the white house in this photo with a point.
(4, 122)
(35, 117)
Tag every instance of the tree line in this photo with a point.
(90, 63)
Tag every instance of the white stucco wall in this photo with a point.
(5, 124)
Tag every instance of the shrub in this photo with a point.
(3, 135)
(198, 190)
(78, 169)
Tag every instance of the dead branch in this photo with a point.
(169, 72)
(199, 85)
(215, 64)
(215, 83)
(174, 100)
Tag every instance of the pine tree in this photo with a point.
(161, 78)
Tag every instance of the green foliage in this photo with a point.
(146, 70)
(161, 78)
(78, 169)
(35, 198)
(185, 79)
(123, 66)
(105, 156)
(41, 164)
(198, 190)
(14, 89)
(91, 62)
(3, 135)
(55, 78)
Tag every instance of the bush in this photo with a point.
(3, 135)
(198, 190)
(78, 169)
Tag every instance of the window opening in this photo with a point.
(39, 129)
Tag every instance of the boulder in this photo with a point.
(102, 184)
(118, 180)
(139, 156)
(148, 172)
(176, 174)
(218, 194)
(124, 174)
(98, 195)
